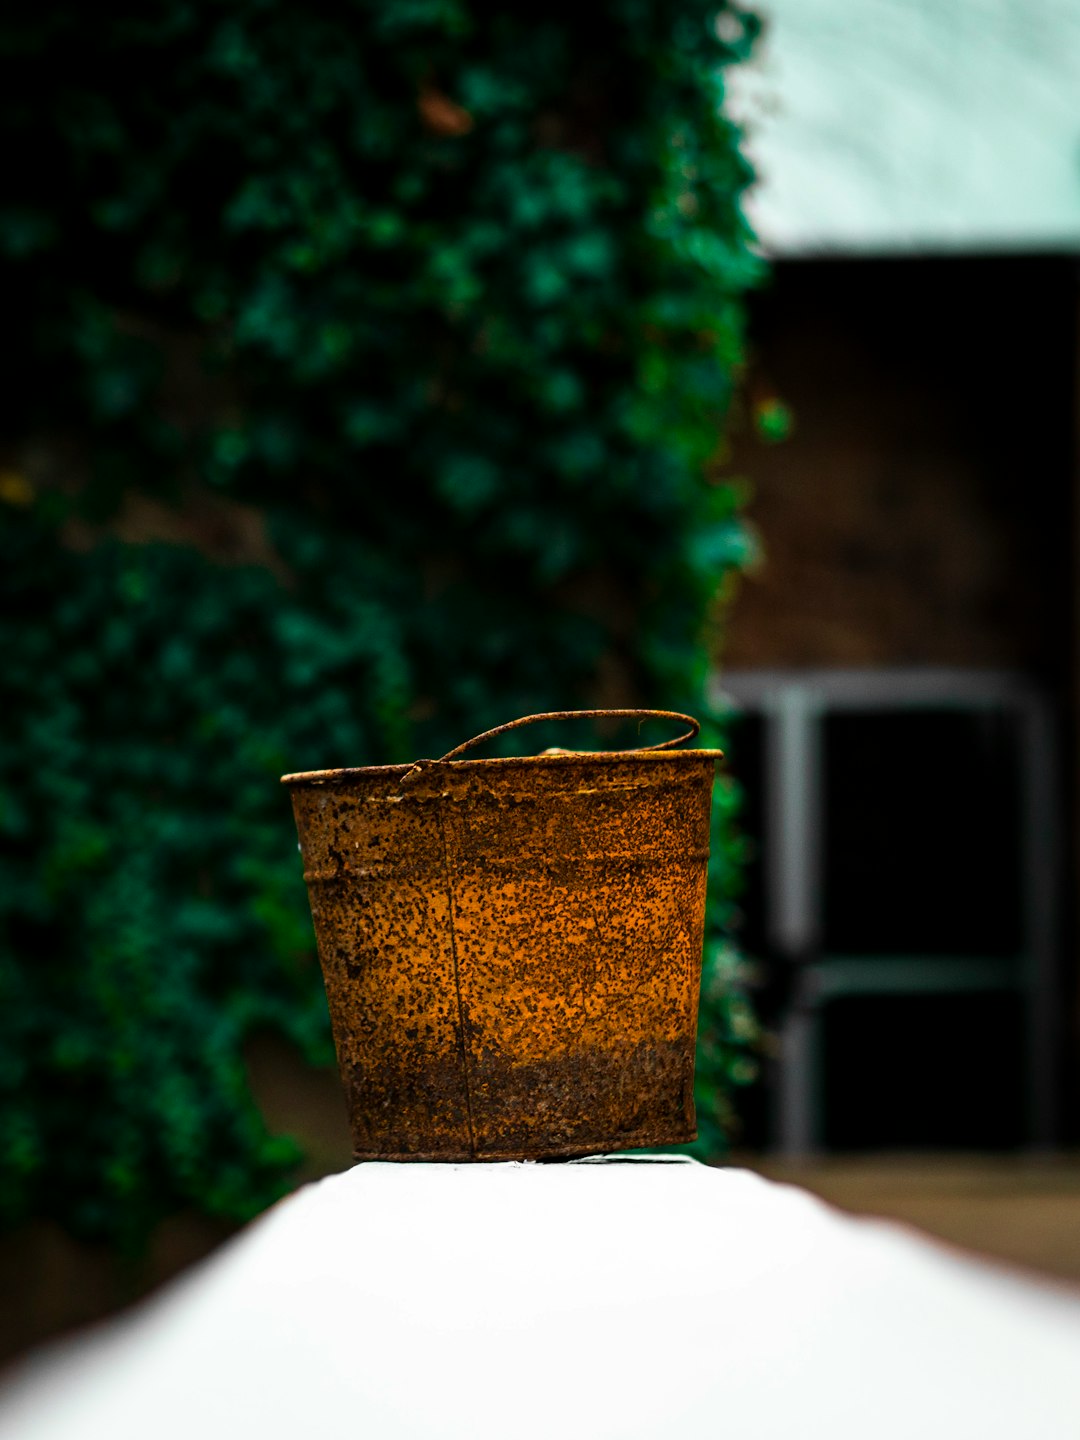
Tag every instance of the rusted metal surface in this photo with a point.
(512, 948)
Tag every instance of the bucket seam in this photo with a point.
(457, 979)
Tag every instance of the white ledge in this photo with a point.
(592, 1299)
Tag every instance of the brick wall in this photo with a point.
(920, 511)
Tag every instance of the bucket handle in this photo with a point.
(588, 715)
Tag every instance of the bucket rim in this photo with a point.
(500, 762)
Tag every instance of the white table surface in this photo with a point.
(593, 1299)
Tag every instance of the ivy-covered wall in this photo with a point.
(365, 373)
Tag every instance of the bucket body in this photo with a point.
(511, 949)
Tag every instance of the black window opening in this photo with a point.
(921, 1011)
(921, 843)
(924, 1072)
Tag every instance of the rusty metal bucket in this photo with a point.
(512, 947)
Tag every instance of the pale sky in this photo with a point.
(899, 126)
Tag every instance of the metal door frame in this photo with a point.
(793, 705)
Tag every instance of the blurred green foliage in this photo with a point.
(366, 366)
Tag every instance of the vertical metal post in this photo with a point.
(793, 846)
(1039, 891)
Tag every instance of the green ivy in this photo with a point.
(370, 363)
